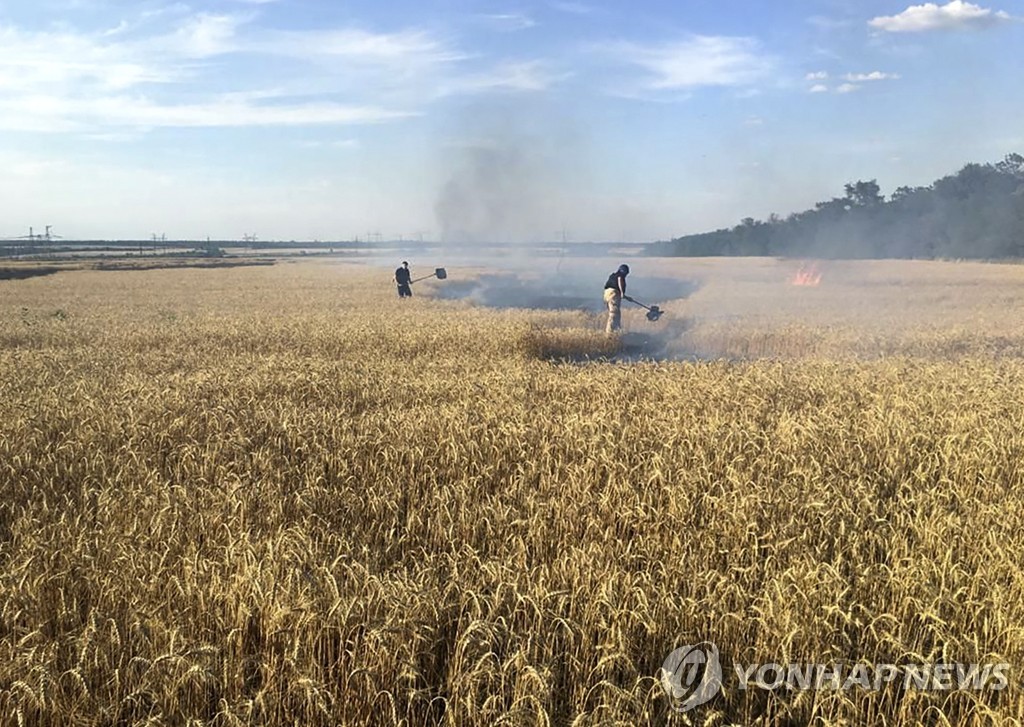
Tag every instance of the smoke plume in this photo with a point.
(505, 177)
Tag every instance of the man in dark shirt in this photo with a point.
(614, 292)
(403, 277)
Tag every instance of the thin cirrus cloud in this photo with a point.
(123, 77)
(873, 76)
(852, 83)
(204, 36)
(507, 21)
(30, 61)
(954, 15)
(51, 113)
(532, 75)
(695, 62)
(408, 48)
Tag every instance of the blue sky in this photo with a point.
(493, 119)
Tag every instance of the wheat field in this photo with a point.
(274, 495)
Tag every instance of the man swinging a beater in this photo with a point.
(403, 278)
(614, 292)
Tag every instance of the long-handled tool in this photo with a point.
(653, 311)
(439, 273)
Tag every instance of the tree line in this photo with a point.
(976, 213)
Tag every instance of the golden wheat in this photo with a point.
(249, 496)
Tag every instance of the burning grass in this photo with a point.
(809, 275)
(256, 496)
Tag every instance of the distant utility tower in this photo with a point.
(50, 236)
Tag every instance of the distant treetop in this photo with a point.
(976, 213)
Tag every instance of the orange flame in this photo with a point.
(808, 274)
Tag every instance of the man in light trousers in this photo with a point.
(614, 292)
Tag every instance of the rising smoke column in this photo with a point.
(493, 194)
(508, 176)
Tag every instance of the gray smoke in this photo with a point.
(511, 180)
(505, 177)
(573, 287)
(493, 194)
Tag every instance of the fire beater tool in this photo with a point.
(439, 273)
(653, 311)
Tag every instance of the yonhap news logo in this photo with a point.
(693, 675)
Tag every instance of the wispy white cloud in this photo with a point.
(510, 76)
(346, 144)
(852, 83)
(118, 29)
(403, 48)
(33, 61)
(100, 82)
(205, 35)
(60, 114)
(873, 76)
(954, 15)
(695, 62)
(507, 21)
